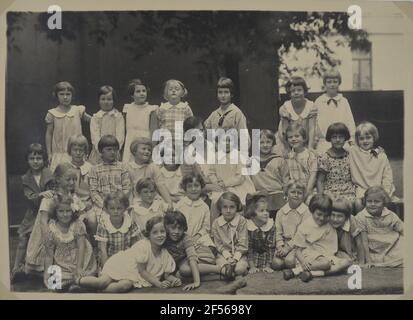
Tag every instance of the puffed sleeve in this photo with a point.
(102, 234)
(125, 108)
(360, 219)
(94, 131)
(168, 262)
(397, 223)
(46, 205)
(142, 251)
(355, 230)
(313, 110)
(120, 129)
(283, 112)
(49, 118)
(81, 109)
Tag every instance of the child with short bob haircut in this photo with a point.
(116, 230)
(287, 221)
(369, 164)
(261, 233)
(66, 244)
(382, 229)
(228, 115)
(109, 176)
(350, 242)
(62, 122)
(190, 259)
(141, 117)
(196, 211)
(334, 176)
(297, 110)
(108, 120)
(174, 109)
(146, 205)
(300, 163)
(37, 183)
(145, 264)
(269, 179)
(316, 244)
(332, 107)
(230, 235)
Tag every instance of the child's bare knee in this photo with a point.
(277, 263)
(241, 269)
(125, 286)
(290, 261)
(185, 270)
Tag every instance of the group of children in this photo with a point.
(111, 223)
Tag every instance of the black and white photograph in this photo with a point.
(121, 127)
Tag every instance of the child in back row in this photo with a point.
(174, 109)
(298, 110)
(332, 107)
(108, 120)
(62, 122)
(38, 183)
(141, 117)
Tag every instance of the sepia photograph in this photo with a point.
(130, 133)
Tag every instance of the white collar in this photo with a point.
(326, 98)
(71, 113)
(127, 221)
(385, 212)
(84, 168)
(303, 114)
(134, 165)
(301, 209)
(189, 202)
(234, 222)
(101, 113)
(231, 107)
(140, 210)
(251, 226)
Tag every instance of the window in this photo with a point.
(362, 70)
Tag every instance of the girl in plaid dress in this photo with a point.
(116, 229)
(261, 233)
(66, 243)
(301, 163)
(174, 109)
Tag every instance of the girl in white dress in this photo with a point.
(63, 122)
(140, 116)
(145, 264)
(108, 120)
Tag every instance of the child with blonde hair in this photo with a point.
(287, 221)
(383, 230)
(332, 107)
(63, 122)
(369, 165)
(174, 109)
